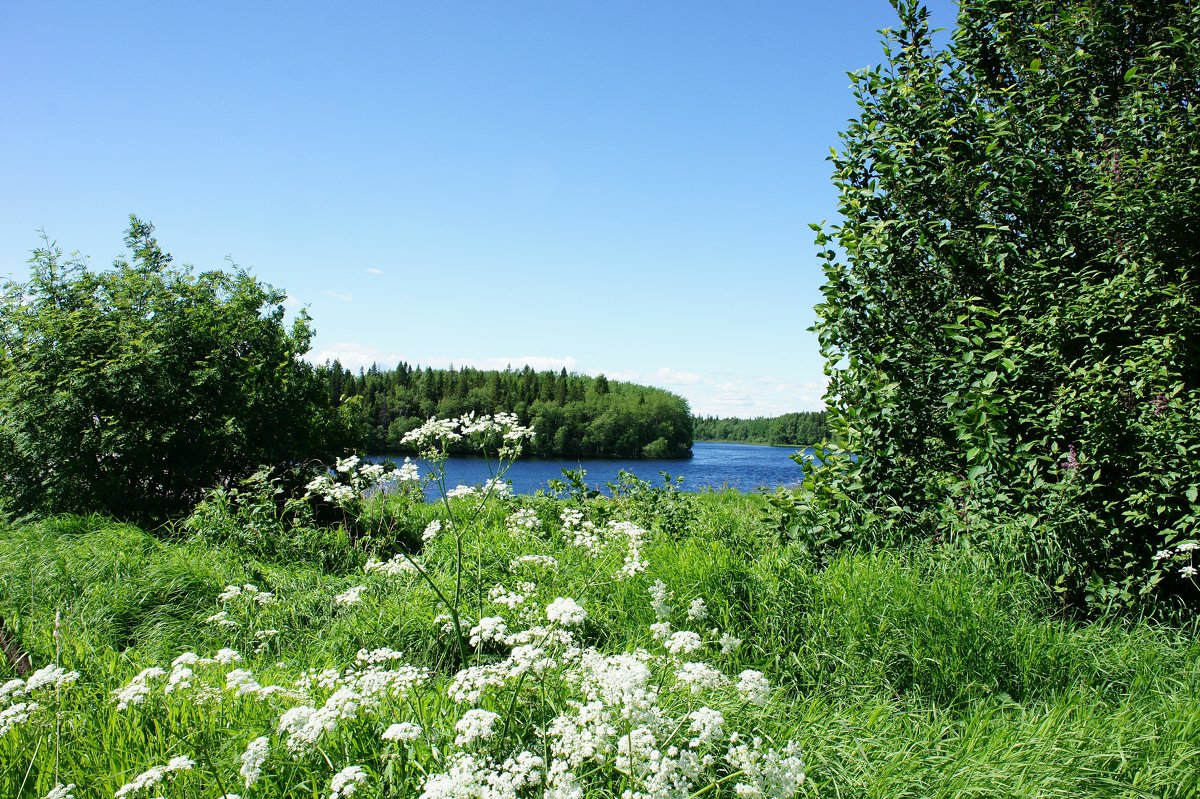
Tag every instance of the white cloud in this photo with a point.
(374, 270)
(726, 394)
(538, 363)
(354, 356)
(671, 376)
(339, 296)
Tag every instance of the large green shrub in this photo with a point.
(1010, 315)
(130, 391)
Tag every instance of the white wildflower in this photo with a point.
(61, 791)
(398, 564)
(48, 676)
(699, 676)
(136, 691)
(382, 655)
(566, 612)
(230, 592)
(346, 782)
(253, 759)
(707, 724)
(490, 628)
(14, 687)
(351, 596)
(475, 725)
(659, 597)
(729, 643)
(227, 656)
(407, 472)
(536, 561)
(497, 488)
(15, 715)
(1188, 571)
(524, 520)
(153, 776)
(697, 611)
(682, 642)
(431, 531)
(402, 732)
(754, 687)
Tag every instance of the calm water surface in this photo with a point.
(744, 467)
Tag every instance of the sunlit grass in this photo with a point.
(929, 672)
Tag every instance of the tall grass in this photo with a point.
(929, 672)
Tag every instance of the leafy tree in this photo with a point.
(130, 391)
(1010, 318)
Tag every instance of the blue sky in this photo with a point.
(616, 187)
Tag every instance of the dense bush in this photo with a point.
(1010, 300)
(130, 391)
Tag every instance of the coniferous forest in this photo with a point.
(571, 415)
(791, 429)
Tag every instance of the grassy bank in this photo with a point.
(930, 672)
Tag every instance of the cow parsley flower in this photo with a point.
(61, 791)
(431, 531)
(754, 687)
(475, 725)
(683, 642)
(403, 732)
(15, 715)
(536, 561)
(699, 676)
(151, 777)
(253, 759)
(659, 597)
(351, 596)
(566, 612)
(346, 782)
(399, 564)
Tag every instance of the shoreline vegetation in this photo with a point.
(572, 415)
(787, 430)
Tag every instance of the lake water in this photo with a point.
(744, 467)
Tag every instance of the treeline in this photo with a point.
(572, 415)
(799, 429)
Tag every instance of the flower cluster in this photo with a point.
(434, 438)
(356, 691)
(152, 777)
(200, 678)
(351, 478)
(594, 540)
(17, 696)
(1183, 555)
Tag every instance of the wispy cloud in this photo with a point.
(374, 270)
(355, 356)
(539, 363)
(727, 394)
(339, 296)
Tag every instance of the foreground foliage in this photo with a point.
(1009, 315)
(603, 658)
